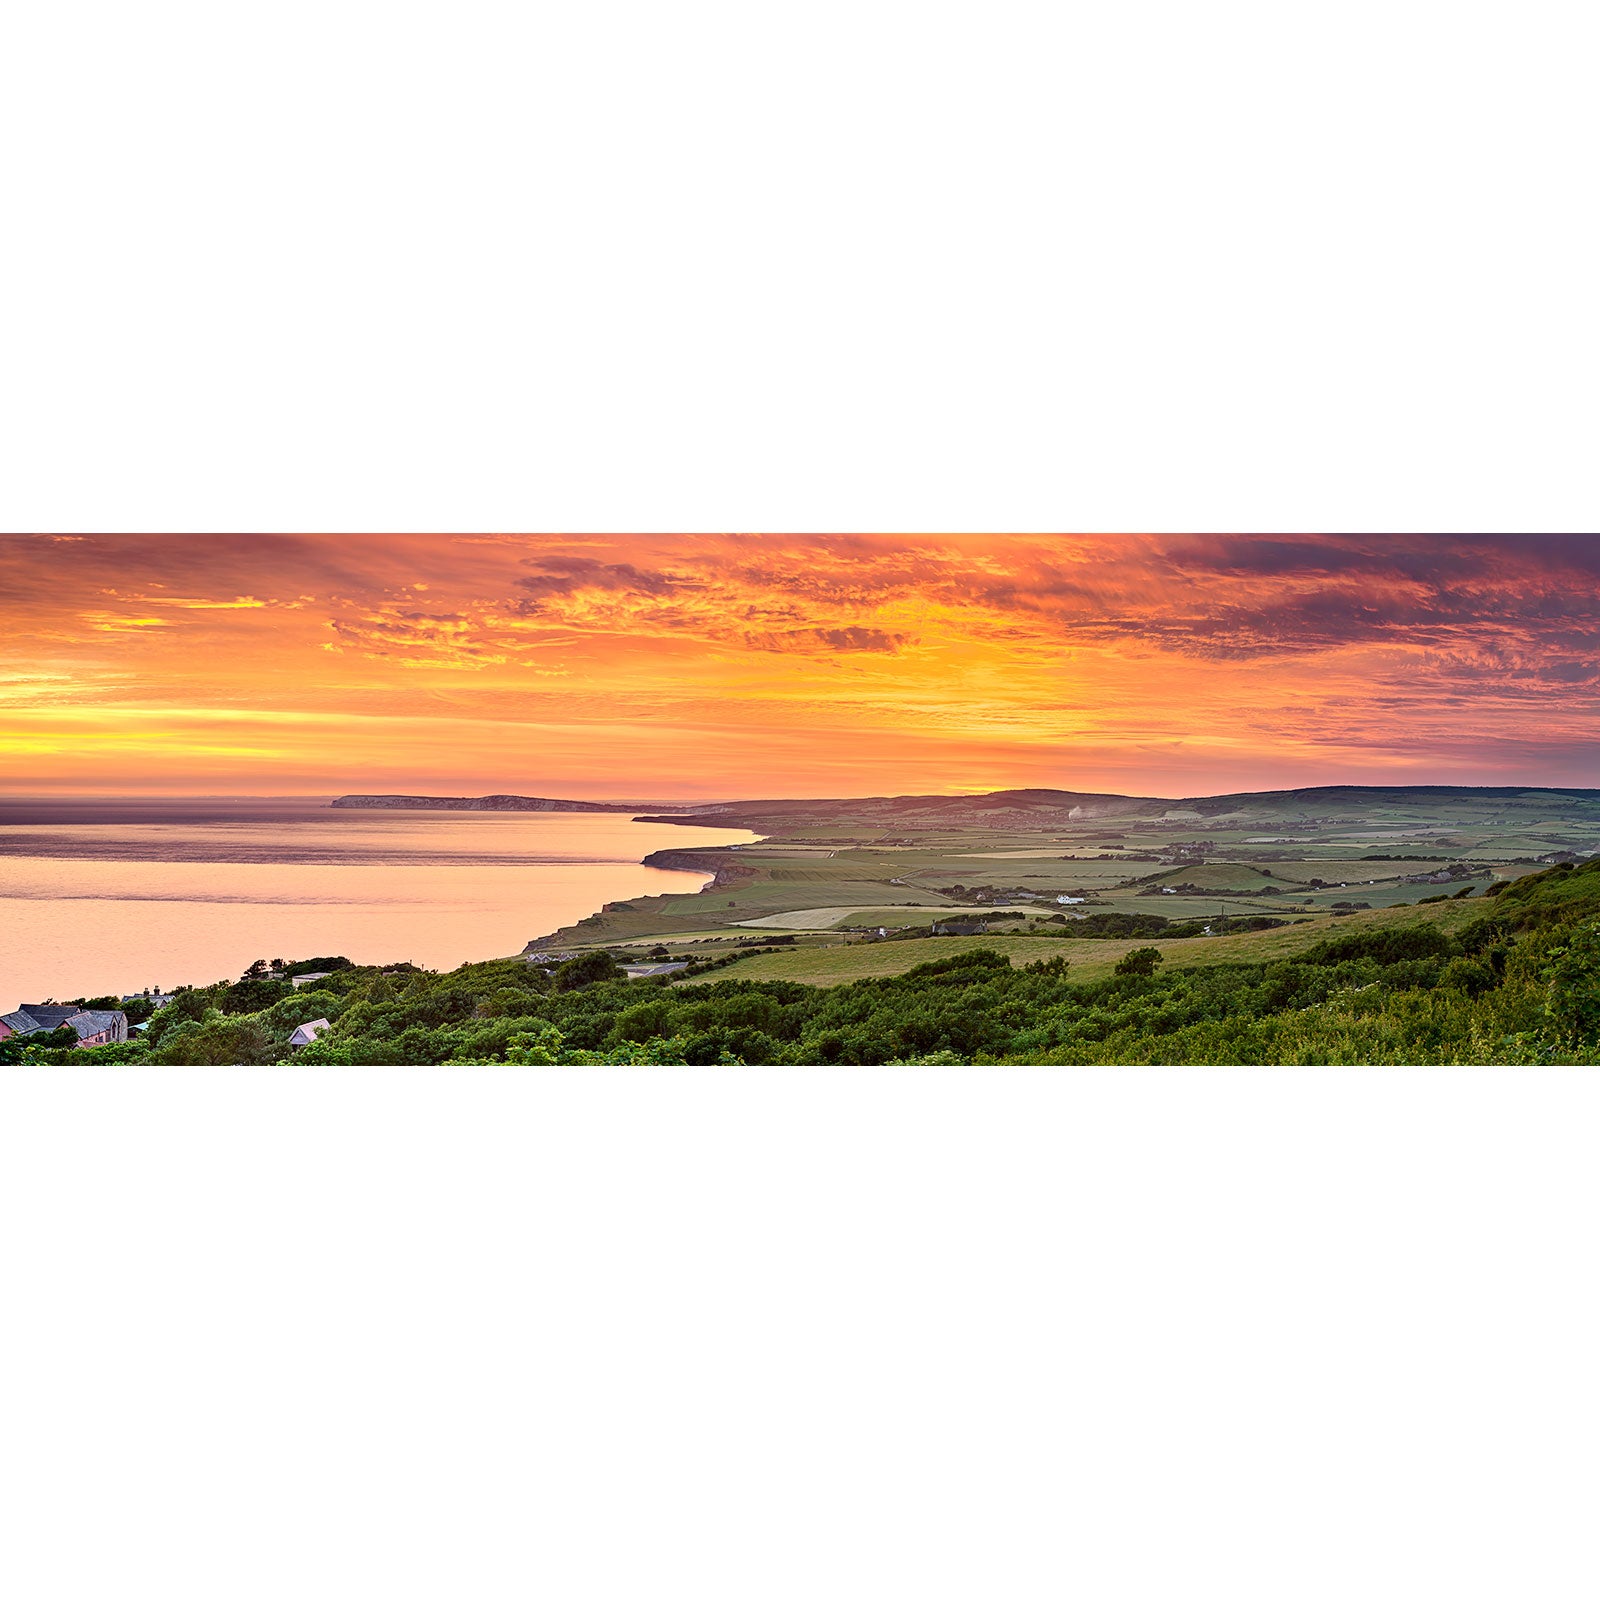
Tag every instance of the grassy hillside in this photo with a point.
(1088, 958)
(829, 866)
(1056, 808)
(1514, 977)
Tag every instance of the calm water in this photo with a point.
(111, 899)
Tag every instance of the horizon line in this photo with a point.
(171, 797)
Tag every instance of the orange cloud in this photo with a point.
(684, 666)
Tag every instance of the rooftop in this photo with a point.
(85, 1023)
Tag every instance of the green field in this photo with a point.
(1089, 958)
(864, 865)
(1512, 978)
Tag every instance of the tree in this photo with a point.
(1139, 963)
(218, 1041)
(252, 994)
(296, 969)
(1574, 986)
(15, 1048)
(138, 1009)
(187, 1005)
(593, 966)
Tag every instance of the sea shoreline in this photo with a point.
(118, 906)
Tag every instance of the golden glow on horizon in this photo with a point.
(705, 666)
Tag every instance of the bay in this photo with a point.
(99, 897)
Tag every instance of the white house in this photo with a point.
(307, 1031)
(303, 979)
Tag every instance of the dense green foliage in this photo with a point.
(21, 1046)
(1108, 925)
(1520, 983)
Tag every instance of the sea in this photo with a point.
(100, 897)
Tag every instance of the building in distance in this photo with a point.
(91, 1027)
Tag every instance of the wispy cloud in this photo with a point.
(944, 661)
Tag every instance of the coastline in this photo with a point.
(724, 872)
(198, 899)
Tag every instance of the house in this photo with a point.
(157, 1000)
(111, 1027)
(91, 1027)
(307, 1031)
(304, 979)
(1070, 899)
(99, 1027)
(36, 1019)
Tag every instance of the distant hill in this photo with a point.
(488, 802)
(1052, 808)
(1005, 808)
(1023, 808)
(1378, 794)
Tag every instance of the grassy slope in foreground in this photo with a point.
(1518, 980)
(1089, 958)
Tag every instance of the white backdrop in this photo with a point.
(844, 1333)
(733, 1332)
(857, 264)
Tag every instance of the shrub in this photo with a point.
(1574, 986)
(1140, 963)
(217, 1041)
(593, 966)
(1409, 942)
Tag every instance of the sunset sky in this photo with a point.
(670, 667)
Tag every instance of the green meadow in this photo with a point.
(1310, 858)
(1381, 926)
(1513, 977)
